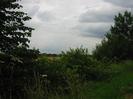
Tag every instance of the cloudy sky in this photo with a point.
(63, 24)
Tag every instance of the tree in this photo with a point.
(118, 43)
(16, 60)
(13, 31)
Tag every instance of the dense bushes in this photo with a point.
(16, 71)
(62, 74)
(83, 63)
(54, 71)
(69, 70)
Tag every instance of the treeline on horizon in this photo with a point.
(27, 74)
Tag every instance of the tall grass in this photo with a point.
(38, 90)
(120, 86)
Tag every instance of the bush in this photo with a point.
(56, 73)
(85, 66)
(16, 71)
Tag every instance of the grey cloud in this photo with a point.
(51, 49)
(30, 6)
(94, 30)
(53, 20)
(33, 10)
(96, 17)
(29, 1)
(122, 3)
(100, 15)
(96, 22)
(45, 16)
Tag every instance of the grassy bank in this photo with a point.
(119, 86)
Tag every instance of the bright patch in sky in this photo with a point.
(63, 24)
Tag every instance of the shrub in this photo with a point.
(56, 73)
(82, 62)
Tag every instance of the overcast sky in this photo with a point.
(63, 24)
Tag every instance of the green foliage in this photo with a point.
(118, 87)
(118, 43)
(16, 71)
(13, 32)
(37, 90)
(16, 61)
(85, 66)
(55, 71)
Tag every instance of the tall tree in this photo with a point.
(118, 42)
(13, 31)
(16, 60)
